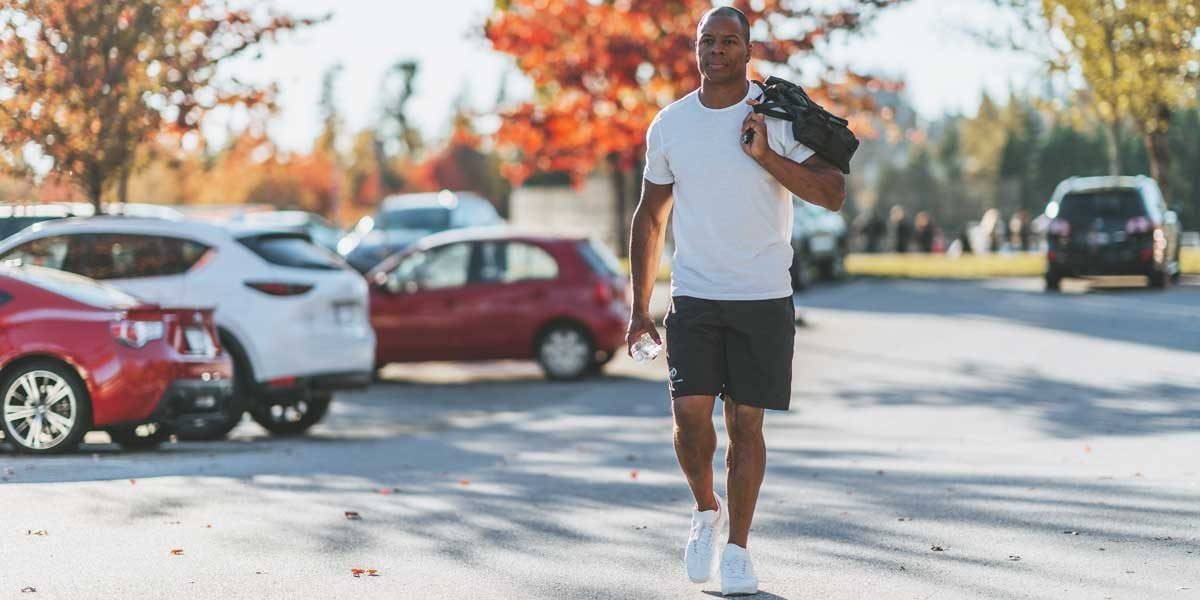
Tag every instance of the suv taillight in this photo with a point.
(1139, 225)
(279, 288)
(136, 334)
(1060, 227)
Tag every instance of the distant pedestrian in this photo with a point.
(926, 232)
(1021, 231)
(902, 230)
(872, 228)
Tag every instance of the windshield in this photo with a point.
(431, 219)
(1101, 204)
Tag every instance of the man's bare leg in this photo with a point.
(746, 463)
(695, 444)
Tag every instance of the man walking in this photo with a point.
(730, 329)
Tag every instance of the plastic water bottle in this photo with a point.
(645, 349)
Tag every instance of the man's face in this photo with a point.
(721, 50)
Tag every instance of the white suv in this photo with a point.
(291, 314)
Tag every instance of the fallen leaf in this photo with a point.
(1071, 532)
(28, 590)
(40, 532)
(1087, 449)
(1102, 549)
(177, 551)
(209, 526)
(1163, 539)
(1014, 557)
(640, 527)
(937, 549)
(357, 572)
(353, 516)
(1180, 589)
(464, 482)
(260, 572)
(902, 519)
(1129, 572)
(132, 482)
(633, 475)
(372, 573)
(1138, 474)
(385, 491)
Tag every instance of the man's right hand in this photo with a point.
(639, 323)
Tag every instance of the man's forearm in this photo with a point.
(822, 184)
(645, 253)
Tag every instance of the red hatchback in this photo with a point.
(77, 355)
(491, 293)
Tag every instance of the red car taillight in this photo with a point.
(136, 334)
(279, 288)
(1139, 225)
(1060, 227)
(602, 293)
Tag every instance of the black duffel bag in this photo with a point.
(828, 135)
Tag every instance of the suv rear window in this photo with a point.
(1113, 204)
(295, 251)
(600, 258)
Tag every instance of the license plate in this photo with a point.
(1098, 238)
(198, 341)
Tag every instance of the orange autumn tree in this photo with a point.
(602, 70)
(90, 83)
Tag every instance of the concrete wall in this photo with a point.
(589, 210)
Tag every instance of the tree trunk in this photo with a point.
(1112, 131)
(621, 198)
(123, 188)
(1158, 149)
(95, 186)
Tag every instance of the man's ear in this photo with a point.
(749, 51)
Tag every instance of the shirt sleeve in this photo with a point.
(658, 170)
(782, 140)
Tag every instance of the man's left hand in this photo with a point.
(757, 148)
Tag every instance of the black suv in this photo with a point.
(818, 244)
(1111, 226)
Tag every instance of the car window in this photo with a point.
(601, 260)
(118, 256)
(1115, 204)
(434, 218)
(79, 289)
(510, 262)
(180, 255)
(439, 268)
(294, 251)
(49, 252)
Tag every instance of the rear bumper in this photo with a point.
(194, 401)
(297, 388)
(1115, 261)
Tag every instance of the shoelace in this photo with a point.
(740, 567)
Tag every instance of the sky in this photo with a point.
(924, 42)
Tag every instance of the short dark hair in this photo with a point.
(731, 12)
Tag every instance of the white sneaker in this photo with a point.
(700, 556)
(737, 572)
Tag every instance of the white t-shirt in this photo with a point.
(732, 219)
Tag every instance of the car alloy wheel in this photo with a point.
(43, 411)
(565, 352)
(293, 417)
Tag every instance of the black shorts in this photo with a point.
(740, 349)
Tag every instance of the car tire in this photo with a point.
(292, 418)
(802, 271)
(834, 269)
(45, 376)
(565, 352)
(146, 436)
(1053, 282)
(1159, 279)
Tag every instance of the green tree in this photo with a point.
(1141, 62)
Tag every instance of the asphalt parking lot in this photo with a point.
(947, 440)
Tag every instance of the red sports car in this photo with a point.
(492, 293)
(77, 355)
